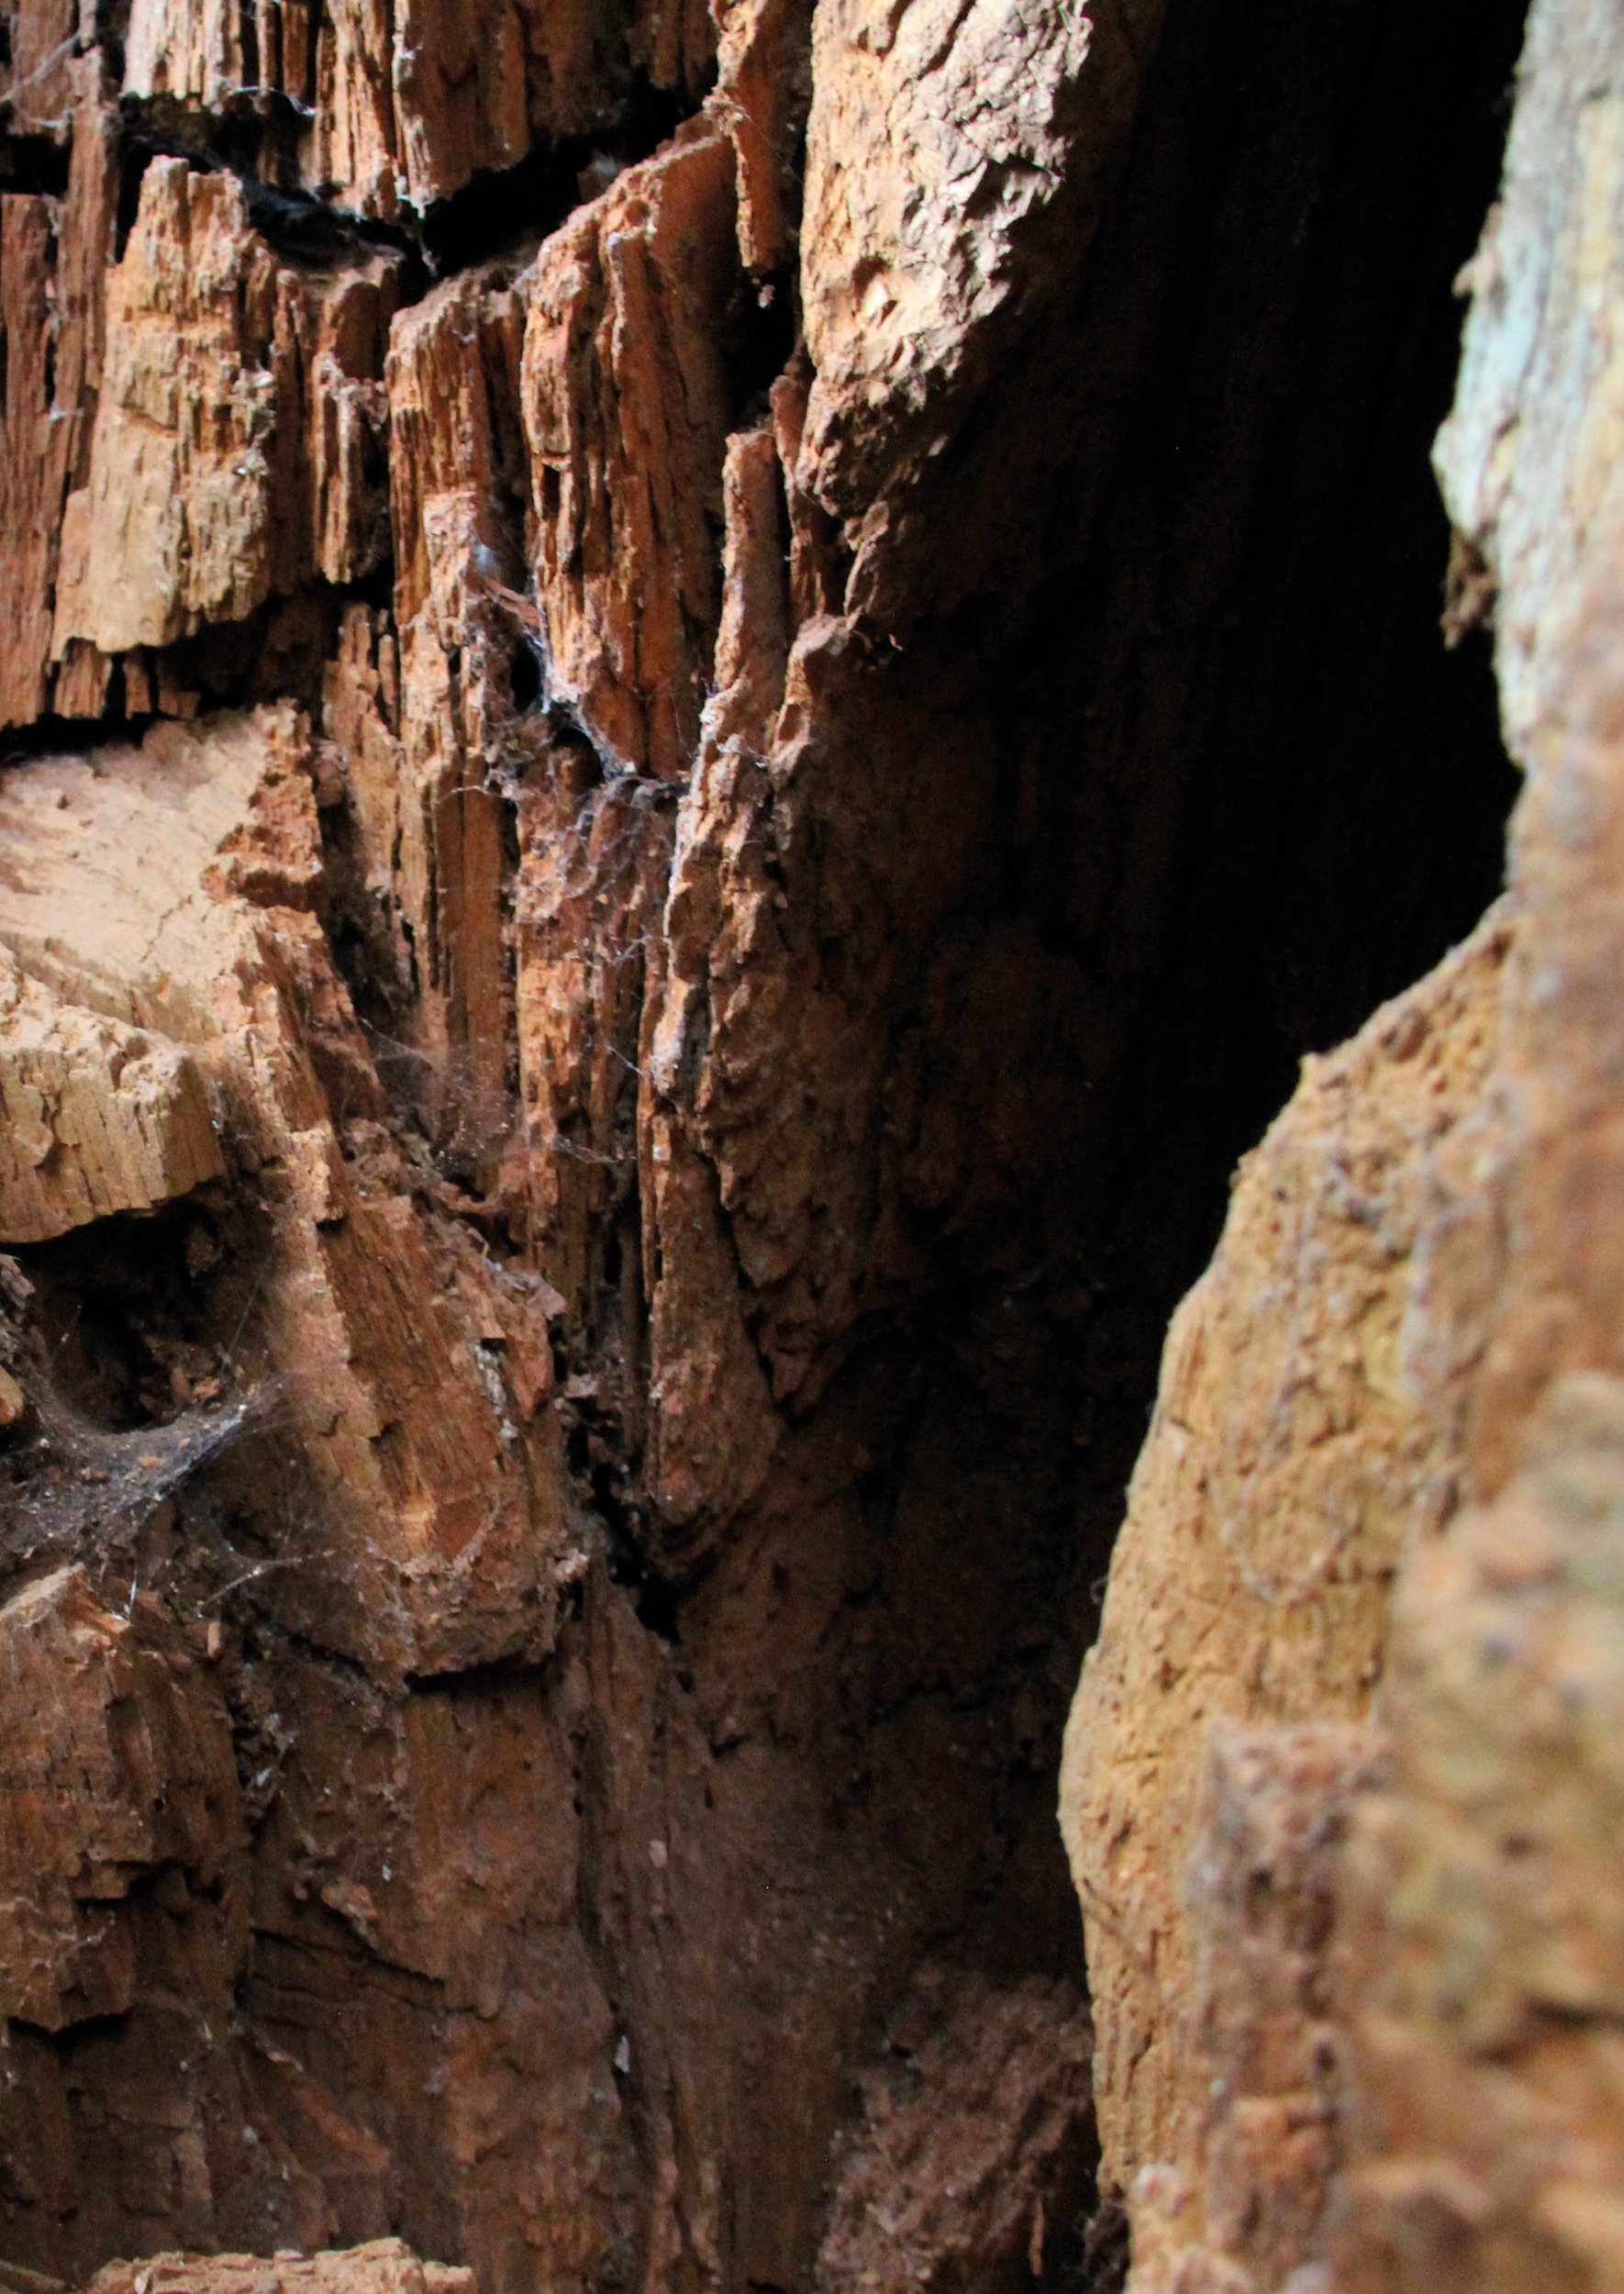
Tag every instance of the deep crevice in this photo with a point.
(257, 140)
(34, 163)
(255, 144)
(1236, 789)
(53, 736)
(758, 340)
(504, 206)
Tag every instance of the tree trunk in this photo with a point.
(701, 707)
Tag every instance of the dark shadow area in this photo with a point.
(254, 139)
(37, 164)
(536, 196)
(1279, 553)
(127, 1310)
(1248, 792)
(257, 136)
(1234, 791)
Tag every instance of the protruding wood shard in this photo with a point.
(383, 2265)
(238, 449)
(625, 411)
(94, 1117)
(51, 270)
(473, 87)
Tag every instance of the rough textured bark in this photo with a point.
(702, 706)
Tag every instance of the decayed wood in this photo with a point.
(127, 1766)
(383, 2266)
(51, 294)
(626, 409)
(94, 1117)
(236, 445)
(406, 109)
(598, 971)
(435, 1472)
